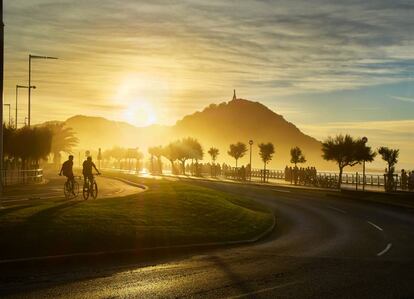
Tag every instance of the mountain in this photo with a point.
(217, 125)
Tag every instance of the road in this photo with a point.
(322, 247)
(53, 189)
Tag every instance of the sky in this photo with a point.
(329, 67)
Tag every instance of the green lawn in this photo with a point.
(169, 213)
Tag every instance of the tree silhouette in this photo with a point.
(297, 156)
(390, 156)
(9, 141)
(63, 140)
(266, 154)
(133, 155)
(41, 143)
(188, 148)
(151, 151)
(237, 151)
(117, 153)
(195, 151)
(346, 151)
(156, 151)
(213, 152)
(158, 154)
(30, 145)
(170, 152)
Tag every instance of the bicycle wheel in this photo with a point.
(75, 189)
(66, 190)
(85, 192)
(94, 190)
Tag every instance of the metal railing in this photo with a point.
(18, 176)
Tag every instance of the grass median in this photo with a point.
(169, 213)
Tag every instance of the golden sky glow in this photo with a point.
(145, 62)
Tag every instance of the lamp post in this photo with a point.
(1, 98)
(30, 80)
(251, 143)
(364, 140)
(17, 96)
(8, 105)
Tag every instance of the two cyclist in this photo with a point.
(88, 166)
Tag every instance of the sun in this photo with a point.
(139, 113)
(137, 94)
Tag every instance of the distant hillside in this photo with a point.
(217, 125)
(99, 132)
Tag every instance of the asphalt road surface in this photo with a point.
(322, 247)
(53, 189)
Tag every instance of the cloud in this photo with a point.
(404, 99)
(205, 49)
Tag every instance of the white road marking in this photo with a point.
(284, 191)
(385, 250)
(262, 290)
(374, 225)
(337, 209)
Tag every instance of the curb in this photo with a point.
(144, 187)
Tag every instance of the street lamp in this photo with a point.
(251, 143)
(1, 98)
(17, 95)
(364, 140)
(30, 78)
(9, 112)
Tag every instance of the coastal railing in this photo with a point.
(18, 176)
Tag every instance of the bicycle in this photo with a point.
(90, 188)
(71, 188)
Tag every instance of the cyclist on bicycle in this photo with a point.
(88, 166)
(67, 171)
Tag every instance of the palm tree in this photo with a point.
(346, 151)
(266, 154)
(63, 140)
(213, 152)
(390, 156)
(237, 151)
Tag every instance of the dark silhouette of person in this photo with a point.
(67, 171)
(404, 179)
(88, 166)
